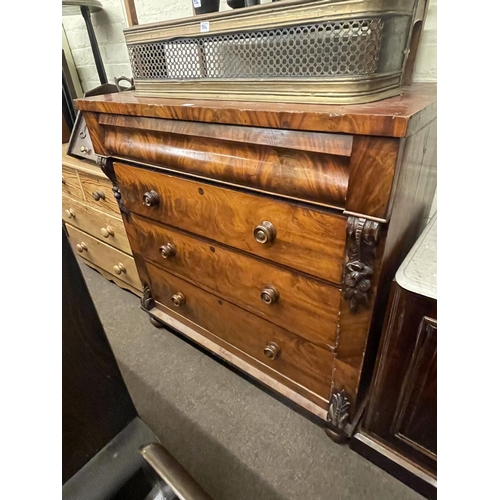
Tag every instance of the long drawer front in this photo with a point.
(296, 302)
(305, 239)
(99, 224)
(306, 367)
(104, 256)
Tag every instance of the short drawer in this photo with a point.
(99, 193)
(104, 256)
(292, 300)
(71, 184)
(309, 240)
(300, 361)
(99, 224)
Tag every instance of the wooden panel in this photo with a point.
(305, 306)
(316, 142)
(302, 175)
(389, 117)
(402, 408)
(114, 278)
(92, 184)
(302, 362)
(371, 175)
(71, 184)
(309, 240)
(96, 223)
(96, 403)
(104, 256)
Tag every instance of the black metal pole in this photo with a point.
(93, 43)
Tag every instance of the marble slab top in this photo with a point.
(418, 272)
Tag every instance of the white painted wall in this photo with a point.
(110, 22)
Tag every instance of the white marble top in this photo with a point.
(418, 272)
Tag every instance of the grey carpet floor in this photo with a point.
(236, 440)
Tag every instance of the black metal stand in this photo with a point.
(93, 43)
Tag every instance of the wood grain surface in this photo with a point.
(306, 306)
(303, 175)
(91, 184)
(93, 221)
(371, 175)
(402, 409)
(71, 184)
(389, 118)
(300, 361)
(104, 256)
(308, 240)
(316, 142)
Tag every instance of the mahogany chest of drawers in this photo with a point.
(268, 233)
(93, 223)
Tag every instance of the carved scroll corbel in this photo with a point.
(106, 165)
(147, 300)
(338, 410)
(362, 236)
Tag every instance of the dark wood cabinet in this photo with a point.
(399, 428)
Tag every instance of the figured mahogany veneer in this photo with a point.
(306, 239)
(337, 193)
(301, 363)
(305, 306)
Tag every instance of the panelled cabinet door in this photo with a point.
(403, 406)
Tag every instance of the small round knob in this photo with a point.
(120, 268)
(272, 350)
(269, 295)
(81, 247)
(265, 232)
(98, 195)
(107, 231)
(168, 250)
(178, 299)
(151, 198)
(70, 212)
(84, 150)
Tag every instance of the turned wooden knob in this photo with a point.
(107, 231)
(168, 250)
(120, 268)
(178, 299)
(151, 198)
(269, 295)
(272, 350)
(265, 232)
(81, 247)
(70, 212)
(98, 195)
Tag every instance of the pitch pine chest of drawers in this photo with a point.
(93, 223)
(269, 233)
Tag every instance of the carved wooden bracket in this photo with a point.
(106, 165)
(147, 300)
(338, 409)
(362, 236)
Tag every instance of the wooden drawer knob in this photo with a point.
(272, 350)
(178, 299)
(81, 247)
(269, 295)
(98, 195)
(265, 232)
(107, 231)
(168, 250)
(151, 198)
(120, 268)
(70, 213)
